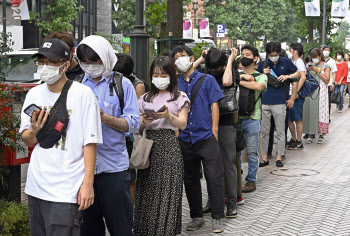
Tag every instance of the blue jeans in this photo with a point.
(251, 130)
(336, 90)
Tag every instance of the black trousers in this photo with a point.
(113, 203)
(208, 153)
(271, 135)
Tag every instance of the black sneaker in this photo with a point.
(279, 163)
(305, 136)
(292, 146)
(300, 145)
(291, 141)
(207, 208)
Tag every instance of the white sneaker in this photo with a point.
(308, 140)
(320, 141)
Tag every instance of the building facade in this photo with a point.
(95, 17)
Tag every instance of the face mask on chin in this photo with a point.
(50, 75)
(183, 64)
(92, 70)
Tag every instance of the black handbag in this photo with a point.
(57, 121)
(335, 98)
(229, 103)
(240, 141)
(272, 80)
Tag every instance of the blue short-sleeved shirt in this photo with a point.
(284, 66)
(112, 155)
(199, 122)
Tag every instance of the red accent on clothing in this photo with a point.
(342, 72)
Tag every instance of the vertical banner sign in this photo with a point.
(312, 7)
(20, 10)
(340, 8)
(204, 27)
(187, 29)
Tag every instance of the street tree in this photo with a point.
(249, 19)
(58, 15)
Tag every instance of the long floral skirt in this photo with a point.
(158, 204)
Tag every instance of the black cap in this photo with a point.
(53, 49)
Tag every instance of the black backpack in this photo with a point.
(116, 84)
(247, 99)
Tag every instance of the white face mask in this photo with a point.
(290, 55)
(339, 58)
(274, 59)
(161, 83)
(50, 76)
(92, 70)
(183, 63)
(315, 60)
(326, 53)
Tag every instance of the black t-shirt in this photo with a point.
(226, 119)
(73, 73)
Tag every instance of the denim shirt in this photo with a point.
(112, 155)
(199, 122)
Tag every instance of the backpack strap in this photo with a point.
(196, 88)
(118, 87)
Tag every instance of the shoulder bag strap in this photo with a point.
(62, 99)
(117, 84)
(196, 88)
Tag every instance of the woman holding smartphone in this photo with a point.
(315, 110)
(159, 187)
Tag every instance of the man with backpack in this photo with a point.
(251, 80)
(119, 116)
(281, 73)
(199, 141)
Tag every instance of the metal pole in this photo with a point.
(195, 17)
(324, 22)
(139, 46)
(4, 17)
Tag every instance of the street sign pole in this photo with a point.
(324, 22)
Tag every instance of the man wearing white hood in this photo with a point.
(113, 202)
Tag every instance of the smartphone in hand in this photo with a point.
(31, 108)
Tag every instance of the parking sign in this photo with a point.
(220, 28)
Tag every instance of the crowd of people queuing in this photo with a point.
(83, 183)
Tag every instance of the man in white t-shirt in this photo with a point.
(295, 122)
(60, 179)
(327, 50)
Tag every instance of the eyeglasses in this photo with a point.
(49, 64)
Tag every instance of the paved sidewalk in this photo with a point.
(310, 195)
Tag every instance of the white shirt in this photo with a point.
(301, 68)
(331, 62)
(56, 174)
